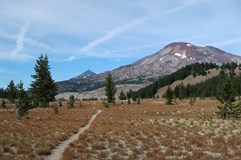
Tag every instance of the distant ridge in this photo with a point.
(146, 70)
(86, 74)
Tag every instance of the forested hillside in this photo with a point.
(194, 69)
(207, 88)
(210, 87)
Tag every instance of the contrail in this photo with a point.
(20, 41)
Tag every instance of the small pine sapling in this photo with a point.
(105, 104)
(138, 101)
(192, 100)
(129, 101)
(23, 103)
(71, 101)
(60, 103)
(55, 109)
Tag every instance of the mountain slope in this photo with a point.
(169, 59)
(86, 74)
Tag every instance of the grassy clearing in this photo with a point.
(40, 131)
(151, 130)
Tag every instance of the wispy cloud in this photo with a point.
(71, 58)
(98, 54)
(27, 40)
(113, 33)
(40, 44)
(89, 49)
(15, 54)
(118, 30)
(20, 42)
(159, 44)
(181, 7)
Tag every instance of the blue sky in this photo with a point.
(101, 35)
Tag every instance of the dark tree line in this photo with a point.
(208, 88)
(10, 92)
(193, 69)
(3, 93)
(130, 95)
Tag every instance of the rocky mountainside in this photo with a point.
(99, 93)
(172, 57)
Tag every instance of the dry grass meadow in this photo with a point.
(151, 130)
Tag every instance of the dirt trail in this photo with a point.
(57, 153)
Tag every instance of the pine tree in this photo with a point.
(182, 91)
(226, 91)
(23, 103)
(11, 91)
(168, 96)
(176, 91)
(71, 101)
(122, 96)
(110, 89)
(134, 97)
(43, 88)
(227, 97)
(129, 94)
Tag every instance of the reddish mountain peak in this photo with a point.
(182, 48)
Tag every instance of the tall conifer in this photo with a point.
(110, 89)
(43, 87)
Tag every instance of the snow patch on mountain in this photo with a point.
(182, 55)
